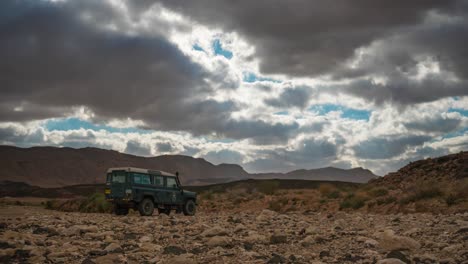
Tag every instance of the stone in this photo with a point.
(396, 254)
(110, 259)
(145, 239)
(174, 250)
(390, 261)
(215, 241)
(215, 231)
(182, 259)
(113, 248)
(278, 239)
(389, 241)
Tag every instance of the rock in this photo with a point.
(390, 261)
(266, 215)
(113, 248)
(215, 241)
(278, 239)
(311, 230)
(145, 239)
(182, 259)
(239, 228)
(97, 252)
(396, 254)
(308, 241)
(110, 259)
(215, 231)
(173, 249)
(371, 243)
(389, 241)
(275, 259)
(255, 238)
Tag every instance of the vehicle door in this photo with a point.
(173, 192)
(142, 185)
(118, 182)
(159, 189)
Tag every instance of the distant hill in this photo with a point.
(56, 167)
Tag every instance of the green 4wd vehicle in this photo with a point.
(144, 190)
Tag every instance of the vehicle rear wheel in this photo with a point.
(164, 211)
(190, 207)
(146, 207)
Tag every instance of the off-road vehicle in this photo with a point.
(144, 190)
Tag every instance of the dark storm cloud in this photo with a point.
(434, 124)
(55, 56)
(291, 97)
(164, 147)
(387, 147)
(137, 148)
(311, 38)
(310, 153)
(304, 38)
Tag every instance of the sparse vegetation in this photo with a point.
(95, 203)
(268, 187)
(422, 192)
(353, 201)
(386, 200)
(378, 192)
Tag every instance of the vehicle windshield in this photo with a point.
(116, 177)
(171, 182)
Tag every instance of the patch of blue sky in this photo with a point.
(218, 50)
(282, 113)
(347, 112)
(250, 77)
(457, 133)
(73, 123)
(463, 112)
(196, 47)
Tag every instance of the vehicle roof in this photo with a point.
(140, 170)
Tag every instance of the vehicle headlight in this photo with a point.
(128, 191)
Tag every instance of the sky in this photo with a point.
(270, 85)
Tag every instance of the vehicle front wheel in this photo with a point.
(146, 207)
(190, 207)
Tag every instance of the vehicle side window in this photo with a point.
(158, 180)
(170, 182)
(140, 178)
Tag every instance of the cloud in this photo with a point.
(313, 37)
(137, 148)
(164, 147)
(224, 156)
(384, 148)
(291, 97)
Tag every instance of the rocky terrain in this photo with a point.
(36, 235)
(59, 167)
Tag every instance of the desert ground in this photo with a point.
(31, 234)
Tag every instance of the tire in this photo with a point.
(164, 211)
(190, 207)
(146, 207)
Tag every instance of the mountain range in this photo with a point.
(57, 167)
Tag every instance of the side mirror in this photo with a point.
(174, 186)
